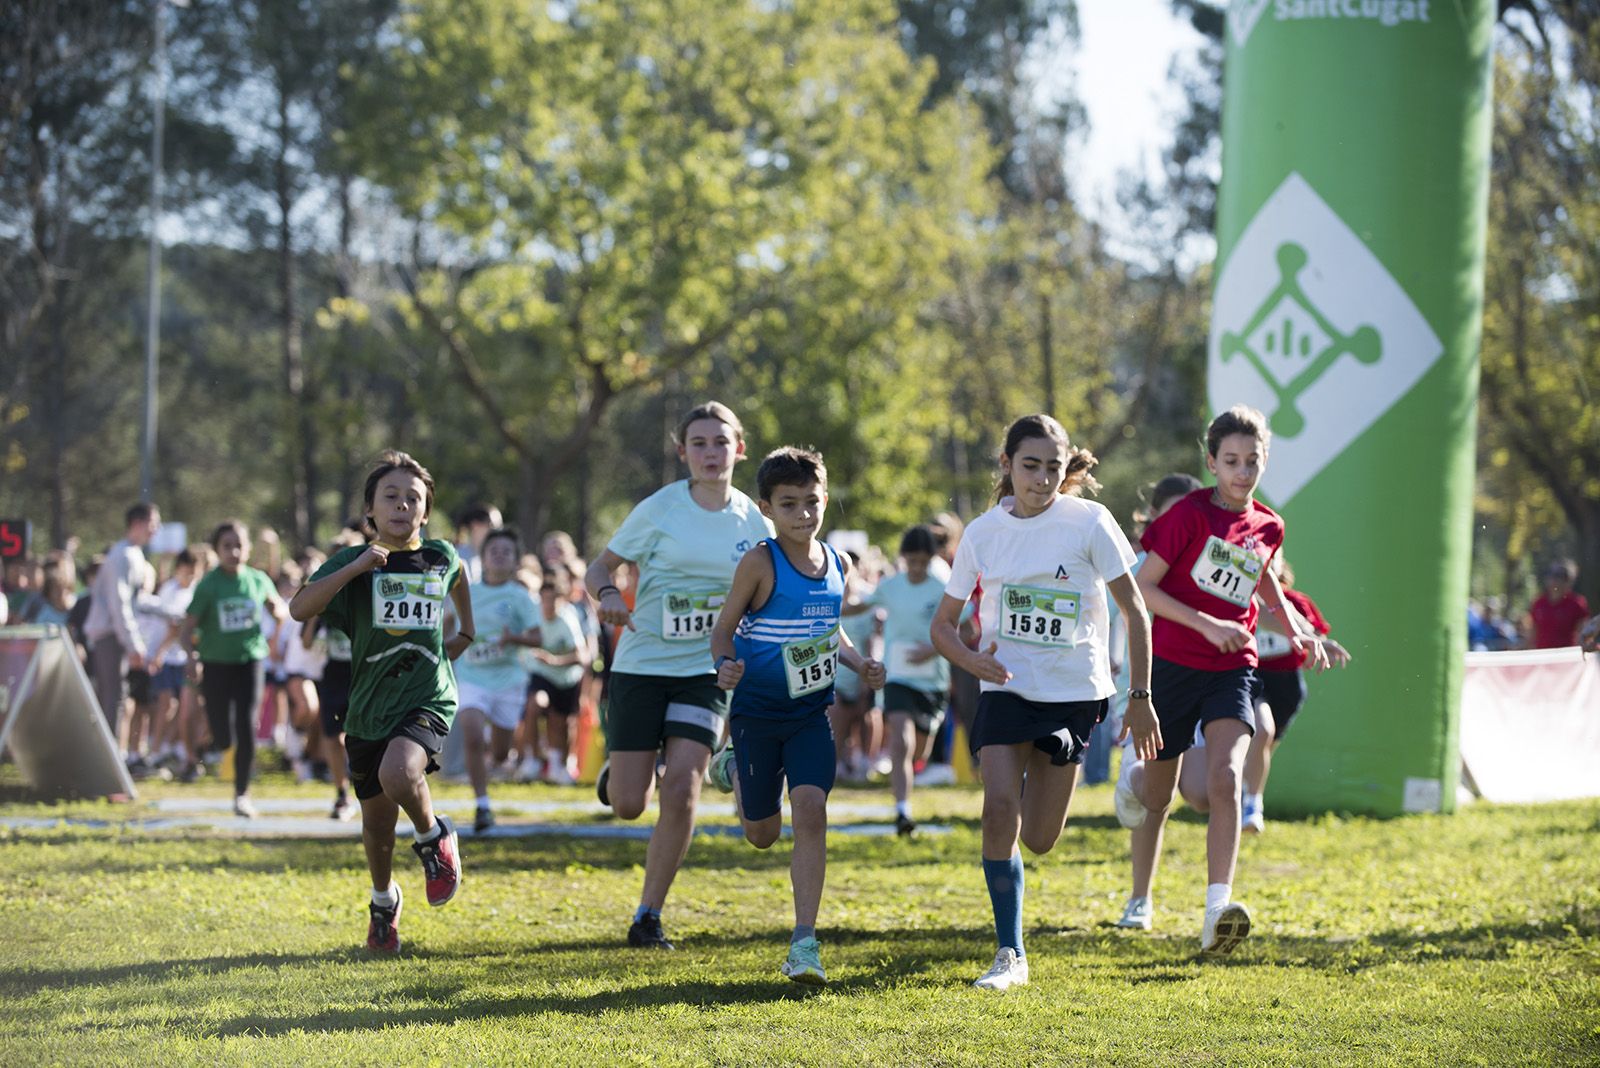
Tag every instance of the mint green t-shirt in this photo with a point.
(394, 617)
(227, 613)
(686, 557)
(560, 635)
(496, 610)
(908, 612)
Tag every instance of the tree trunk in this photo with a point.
(533, 503)
(301, 452)
(1588, 524)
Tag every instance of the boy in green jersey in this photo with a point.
(388, 596)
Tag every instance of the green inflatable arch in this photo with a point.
(1348, 306)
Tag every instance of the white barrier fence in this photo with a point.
(50, 721)
(1530, 725)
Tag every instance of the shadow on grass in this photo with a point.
(1483, 943)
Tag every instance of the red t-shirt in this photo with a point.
(1293, 660)
(1555, 623)
(1215, 559)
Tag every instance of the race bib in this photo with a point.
(406, 601)
(487, 654)
(1271, 645)
(235, 614)
(1227, 571)
(689, 617)
(901, 667)
(1036, 615)
(338, 644)
(810, 665)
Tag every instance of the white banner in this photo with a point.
(50, 721)
(1530, 725)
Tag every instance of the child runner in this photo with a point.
(786, 605)
(1207, 555)
(490, 676)
(856, 726)
(229, 659)
(686, 539)
(1166, 490)
(919, 678)
(556, 682)
(1044, 559)
(388, 596)
(1282, 690)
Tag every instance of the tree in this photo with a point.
(1541, 343)
(607, 195)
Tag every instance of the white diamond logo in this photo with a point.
(1308, 326)
(1243, 16)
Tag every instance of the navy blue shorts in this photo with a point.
(1284, 692)
(767, 751)
(1187, 698)
(1059, 728)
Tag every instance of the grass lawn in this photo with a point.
(1472, 939)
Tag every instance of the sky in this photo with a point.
(1121, 67)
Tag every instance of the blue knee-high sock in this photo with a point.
(1005, 894)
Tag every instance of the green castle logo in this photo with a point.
(1019, 600)
(1272, 333)
(1220, 554)
(802, 655)
(391, 588)
(677, 604)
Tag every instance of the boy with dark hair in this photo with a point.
(777, 645)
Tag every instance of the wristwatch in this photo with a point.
(1138, 695)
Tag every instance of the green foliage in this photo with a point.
(619, 193)
(1466, 939)
(1540, 444)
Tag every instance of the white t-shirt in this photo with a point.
(1044, 595)
(297, 659)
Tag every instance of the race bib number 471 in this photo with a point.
(406, 601)
(1226, 570)
(1039, 615)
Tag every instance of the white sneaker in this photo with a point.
(720, 771)
(1139, 915)
(1251, 819)
(936, 775)
(243, 807)
(558, 775)
(1007, 971)
(1224, 928)
(532, 767)
(1131, 812)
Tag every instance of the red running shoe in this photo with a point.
(441, 861)
(383, 930)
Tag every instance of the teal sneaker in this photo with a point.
(805, 963)
(720, 773)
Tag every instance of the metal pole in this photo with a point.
(152, 332)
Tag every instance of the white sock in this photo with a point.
(1252, 800)
(483, 800)
(1217, 895)
(903, 808)
(386, 898)
(431, 833)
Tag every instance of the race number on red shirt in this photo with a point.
(1271, 644)
(1215, 560)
